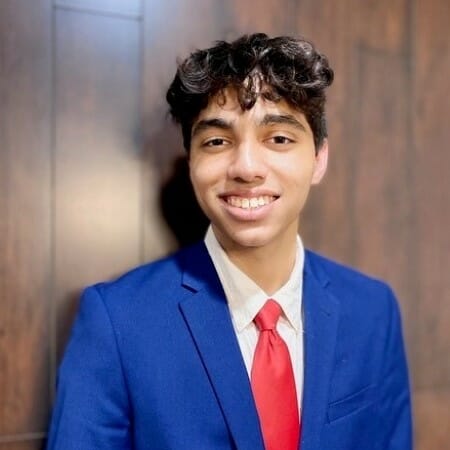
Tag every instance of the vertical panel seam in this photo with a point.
(52, 299)
(413, 257)
(143, 159)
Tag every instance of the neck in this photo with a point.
(269, 266)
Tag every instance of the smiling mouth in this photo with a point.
(250, 202)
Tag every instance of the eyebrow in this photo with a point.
(210, 123)
(268, 119)
(287, 119)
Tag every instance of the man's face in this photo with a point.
(252, 170)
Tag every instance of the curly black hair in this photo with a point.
(287, 68)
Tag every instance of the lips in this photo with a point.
(251, 202)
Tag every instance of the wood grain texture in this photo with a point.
(97, 161)
(25, 445)
(432, 414)
(331, 202)
(382, 222)
(367, 123)
(432, 188)
(363, 213)
(274, 18)
(24, 215)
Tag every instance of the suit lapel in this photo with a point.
(207, 316)
(321, 315)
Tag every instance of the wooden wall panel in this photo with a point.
(25, 445)
(363, 212)
(431, 369)
(380, 235)
(97, 160)
(432, 189)
(382, 240)
(24, 215)
(323, 25)
(275, 18)
(432, 408)
(368, 123)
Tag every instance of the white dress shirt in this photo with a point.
(245, 299)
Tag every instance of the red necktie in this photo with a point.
(273, 383)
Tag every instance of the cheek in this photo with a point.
(205, 172)
(296, 171)
(297, 181)
(202, 181)
(196, 172)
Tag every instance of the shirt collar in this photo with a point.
(245, 298)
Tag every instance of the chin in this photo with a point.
(250, 238)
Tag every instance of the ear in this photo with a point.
(320, 163)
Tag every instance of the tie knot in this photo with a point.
(268, 316)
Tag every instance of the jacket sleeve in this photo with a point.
(395, 401)
(92, 408)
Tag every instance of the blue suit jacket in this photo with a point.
(153, 363)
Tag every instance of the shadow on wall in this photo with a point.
(179, 206)
(164, 153)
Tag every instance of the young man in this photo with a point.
(244, 341)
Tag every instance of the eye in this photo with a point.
(214, 142)
(280, 139)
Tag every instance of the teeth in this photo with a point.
(249, 203)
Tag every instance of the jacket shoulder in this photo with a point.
(359, 294)
(339, 274)
(162, 276)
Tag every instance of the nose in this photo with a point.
(248, 162)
